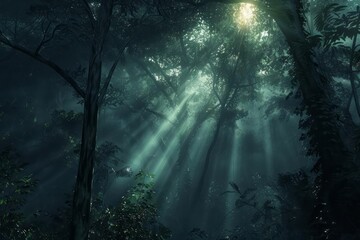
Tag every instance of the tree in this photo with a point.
(320, 118)
(93, 95)
(337, 26)
(321, 121)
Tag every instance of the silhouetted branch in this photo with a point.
(39, 58)
(45, 40)
(110, 74)
(107, 81)
(217, 94)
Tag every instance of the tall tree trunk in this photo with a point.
(83, 187)
(334, 161)
(202, 186)
(335, 211)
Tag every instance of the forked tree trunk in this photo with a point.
(92, 98)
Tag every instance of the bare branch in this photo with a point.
(39, 58)
(236, 90)
(111, 73)
(44, 41)
(107, 81)
(45, 31)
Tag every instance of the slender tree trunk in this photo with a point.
(201, 187)
(83, 187)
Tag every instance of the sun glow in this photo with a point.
(245, 14)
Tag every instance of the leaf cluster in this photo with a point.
(14, 186)
(134, 218)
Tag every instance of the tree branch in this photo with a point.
(41, 44)
(217, 94)
(45, 61)
(155, 81)
(47, 40)
(107, 81)
(110, 74)
(90, 14)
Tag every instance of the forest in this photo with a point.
(179, 120)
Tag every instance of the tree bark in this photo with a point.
(334, 161)
(83, 187)
(351, 72)
(93, 97)
(334, 212)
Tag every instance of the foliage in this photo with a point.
(265, 216)
(336, 25)
(108, 166)
(64, 122)
(14, 186)
(134, 218)
(295, 195)
(319, 123)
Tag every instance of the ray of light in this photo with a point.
(233, 176)
(159, 165)
(150, 144)
(268, 147)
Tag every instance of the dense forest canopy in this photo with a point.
(180, 119)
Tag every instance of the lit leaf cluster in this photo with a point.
(134, 218)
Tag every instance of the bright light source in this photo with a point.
(245, 14)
